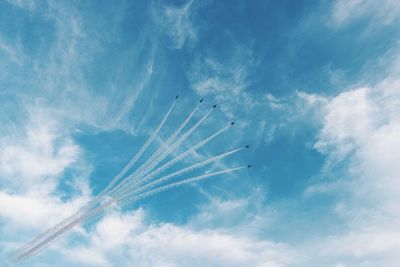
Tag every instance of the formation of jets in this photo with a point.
(232, 123)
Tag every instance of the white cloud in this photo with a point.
(361, 244)
(361, 128)
(86, 257)
(347, 123)
(35, 210)
(363, 123)
(41, 150)
(226, 79)
(58, 77)
(246, 216)
(359, 248)
(171, 245)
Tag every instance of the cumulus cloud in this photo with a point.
(362, 123)
(40, 150)
(360, 127)
(35, 211)
(348, 121)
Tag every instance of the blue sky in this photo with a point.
(313, 87)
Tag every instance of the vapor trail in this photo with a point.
(139, 153)
(131, 178)
(178, 158)
(182, 171)
(127, 200)
(145, 166)
(49, 232)
(171, 138)
(24, 255)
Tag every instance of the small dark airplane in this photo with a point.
(248, 166)
(201, 100)
(232, 123)
(176, 96)
(215, 106)
(247, 146)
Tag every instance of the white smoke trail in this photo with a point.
(131, 179)
(128, 199)
(143, 169)
(139, 153)
(47, 233)
(21, 256)
(170, 139)
(36, 248)
(174, 160)
(183, 171)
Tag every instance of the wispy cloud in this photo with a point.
(176, 23)
(214, 75)
(59, 76)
